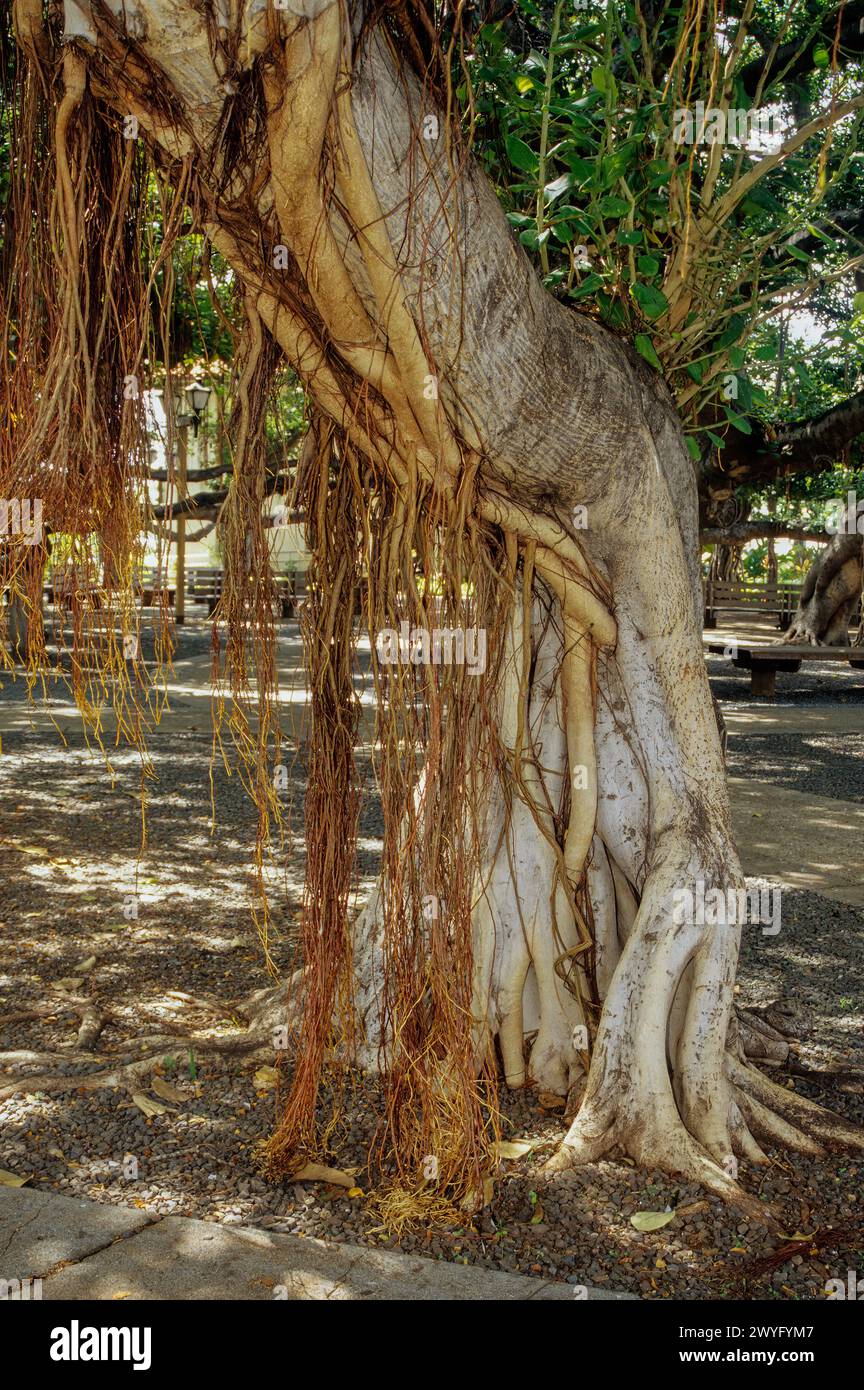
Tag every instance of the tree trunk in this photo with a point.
(832, 590)
(608, 800)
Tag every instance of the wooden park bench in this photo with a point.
(66, 588)
(205, 586)
(750, 596)
(765, 659)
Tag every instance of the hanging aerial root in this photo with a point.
(299, 105)
(400, 330)
(245, 609)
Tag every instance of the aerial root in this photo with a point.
(773, 1127)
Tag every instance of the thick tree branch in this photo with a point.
(830, 432)
(743, 531)
(807, 446)
(193, 475)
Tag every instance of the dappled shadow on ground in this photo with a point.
(87, 907)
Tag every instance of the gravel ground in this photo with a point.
(820, 764)
(69, 854)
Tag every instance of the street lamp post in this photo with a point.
(198, 395)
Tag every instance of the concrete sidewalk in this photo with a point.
(89, 1251)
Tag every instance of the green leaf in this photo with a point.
(555, 189)
(858, 302)
(614, 165)
(611, 309)
(603, 81)
(696, 371)
(692, 448)
(611, 206)
(651, 301)
(739, 421)
(524, 84)
(625, 238)
(565, 232)
(732, 332)
(645, 348)
(580, 224)
(716, 440)
(821, 56)
(648, 266)
(581, 169)
(658, 173)
(589, 285)
(521, 156)
(744, 399)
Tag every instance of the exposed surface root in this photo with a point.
(265, 1011)
(759, 1109)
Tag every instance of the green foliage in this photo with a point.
(619, 215)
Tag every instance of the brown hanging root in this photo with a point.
(30, 29)
(72, 307)
(245, 610)
(332, 800)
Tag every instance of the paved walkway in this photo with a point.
(795, 838)
(799, 840)
(89, 1251)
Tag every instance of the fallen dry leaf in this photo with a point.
(316, 1172)
(147, 1105)
(512, 1148)
(165, 1089)
(11, 1179)
(549, 1101)
(84, 966)
(265, 1078)
(651, 1220)
(692, 1209)
(475, 1200)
